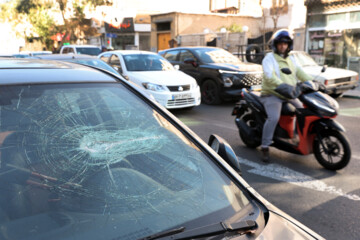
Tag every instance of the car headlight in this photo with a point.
(228, 72)
(355, 78)
(154, 87)
(227, 77)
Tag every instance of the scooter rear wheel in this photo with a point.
(248, 141)
(332, 151)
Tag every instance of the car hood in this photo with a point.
(168, 78)
(278, 227)
(244, 67)
(330, 73)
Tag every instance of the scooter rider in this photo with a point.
(281, 44)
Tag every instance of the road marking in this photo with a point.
(285, 174)
(351, 112)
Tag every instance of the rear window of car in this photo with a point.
(89, 51)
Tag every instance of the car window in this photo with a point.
(185, 54)
(100, 163)
(70, 50)
(88, 50)
(106, 57)
(115, 62)
(95, 63)
(65, 50)
(171, 55)
(215, 55)
(304, 59)
(147, 62)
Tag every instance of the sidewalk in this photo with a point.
(355, 93)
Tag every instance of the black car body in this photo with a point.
(84, 155)
(219, 74)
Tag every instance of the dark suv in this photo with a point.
(219, 74)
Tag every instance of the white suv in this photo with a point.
(81, 49)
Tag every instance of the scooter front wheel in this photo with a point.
(332, 150)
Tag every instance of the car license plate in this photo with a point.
(182, 96)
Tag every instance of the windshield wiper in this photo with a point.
(242, 227)
(164, 234)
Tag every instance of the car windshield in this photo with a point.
(88, 50)
(95, 63)
(304, 59)
(147, 62)
(83, 161)
(214, 55)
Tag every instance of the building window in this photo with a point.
(144, 41)
(317, 21)
(163, 26)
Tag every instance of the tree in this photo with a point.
(41, 15)
(273, 9)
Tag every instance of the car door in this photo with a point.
(191, 69)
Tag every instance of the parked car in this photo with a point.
(84, 155)
(336, 80)
(219, 74)
(29, 54)
(170, 87)
(80, 49)
(79, 58)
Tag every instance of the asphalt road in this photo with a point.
(327, 202)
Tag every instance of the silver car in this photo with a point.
(336, 80)
(84, 155)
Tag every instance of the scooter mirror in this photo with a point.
(221, 147)
(287, 71)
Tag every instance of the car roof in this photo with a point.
(85, 46)
(190, 47)
(65, 56)
(19, 71)
(130, 52)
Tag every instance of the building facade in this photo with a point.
(176, 28)
(333, 31)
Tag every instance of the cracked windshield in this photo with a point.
(82, 160)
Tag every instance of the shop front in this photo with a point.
(128, 35)
(333, 37)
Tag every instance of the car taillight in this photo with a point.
(326, 82)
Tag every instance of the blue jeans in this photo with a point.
(273, 106)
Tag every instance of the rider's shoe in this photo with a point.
(265, 157)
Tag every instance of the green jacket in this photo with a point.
(273, 77)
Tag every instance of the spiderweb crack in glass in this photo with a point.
(114, 146)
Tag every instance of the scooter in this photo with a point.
(300, 130)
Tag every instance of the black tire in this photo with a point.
(254, 54)
(336, 146)
(250, 142)
(210, 93)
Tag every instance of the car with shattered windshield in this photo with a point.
(84, 155)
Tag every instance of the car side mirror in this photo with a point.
(223, 148)
(324, 68)
(177, 67)
(287, 71)
(191, 61)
